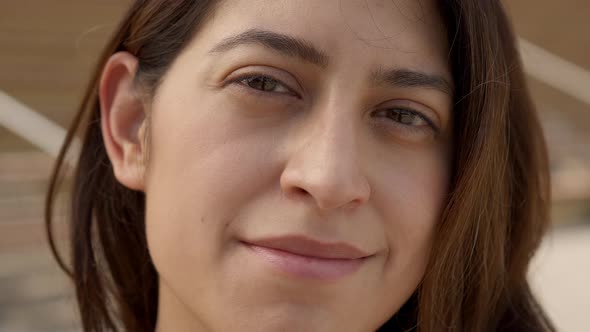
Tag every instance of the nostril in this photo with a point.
(296, 193)
(300, 192)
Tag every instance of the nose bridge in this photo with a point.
(326, 164)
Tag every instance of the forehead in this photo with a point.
(373, 33)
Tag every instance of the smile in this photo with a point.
(304, 266)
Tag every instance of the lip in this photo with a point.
(307, 258)
(305, 246)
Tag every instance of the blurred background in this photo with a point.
(47, 50)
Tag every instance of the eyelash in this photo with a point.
(430, 126)
(242, 80)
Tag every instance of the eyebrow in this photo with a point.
(407, 78)
(304, 50)
(284, 44)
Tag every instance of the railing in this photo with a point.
(544, 66)
(21, 224)
(540, 64)
(556, 72)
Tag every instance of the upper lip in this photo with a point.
(305, 246)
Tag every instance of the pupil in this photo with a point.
(262, 83)
(405, 117)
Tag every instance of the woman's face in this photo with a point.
(311, 127)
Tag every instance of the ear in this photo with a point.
(123, 120)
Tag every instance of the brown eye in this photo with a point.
(264, 84)
(406, 117)
(404, 121)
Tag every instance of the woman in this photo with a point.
(307, 166)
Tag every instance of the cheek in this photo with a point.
(412, 208)
(198, 159)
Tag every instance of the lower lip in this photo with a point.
(305, 266)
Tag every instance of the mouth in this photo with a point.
(306, 246)
(302, 257)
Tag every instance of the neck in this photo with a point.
(174, 315)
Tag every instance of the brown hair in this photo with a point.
(496, 215)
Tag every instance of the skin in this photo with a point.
(315, 156)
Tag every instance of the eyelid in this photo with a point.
(280, 76)
(240, 80)
(419, 109)
(426, 119)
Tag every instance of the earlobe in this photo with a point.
(123, 120)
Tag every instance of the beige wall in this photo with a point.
(47, 49)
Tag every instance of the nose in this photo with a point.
(325, 166)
